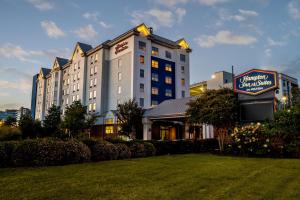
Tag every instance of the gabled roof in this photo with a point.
(169, 108)
(61, 61)
(45, 71)
(84, 47)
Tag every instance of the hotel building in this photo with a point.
(135, 65)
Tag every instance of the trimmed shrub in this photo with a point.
(47, 152)
(104, 151)
(10, 133)
(149, 149)
(137, 150)
(6, 149)
(124, 151)
(204, 146)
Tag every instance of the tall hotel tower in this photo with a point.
(135, 65)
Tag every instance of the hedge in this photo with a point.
(10, 133)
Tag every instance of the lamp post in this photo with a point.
(284, 99)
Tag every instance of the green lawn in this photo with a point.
(194, 176)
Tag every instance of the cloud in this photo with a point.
(292, 67)
(91, 15)
(241, 16)
(86, 33)
(42, 5)
(294, 10)
(52, 30)
(4, 94)
(273, 43)
(212, 2)
(171, 3)
(224, 37)
(13, 51)
(268, 52)
(22, 85)
(158, 18)
(105, 25)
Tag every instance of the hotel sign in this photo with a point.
(121, 47)
(255, 82)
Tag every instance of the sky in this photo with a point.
(247, 34)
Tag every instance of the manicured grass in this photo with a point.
(194, 176)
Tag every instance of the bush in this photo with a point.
(149, 149)
(104, 151)
(137, 150)
(6, 149)
(204, 146)
(123, 150)
(46, 152)
(10, 133)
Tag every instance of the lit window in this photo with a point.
(142, 102)
(91, 71)
(142, 87)
(77, 97)
(154, 103)
(119, 76)
(182, 69)
(73, 98)
(142, 46)
(168, 54)
(95, 94)
(95, 70)
(142, 73)
(90, 107)
(119, 89)
(182, 57)
(91, 95)
(154, 51)
(168, 67)
(182, 81)
(91, 83)
(182, 93)
(68, 81)
(154, 64)
(109, 121)
(142, 59)
(95, 81)
(74, 88)
(154, 77)
(168, 93)
(120, 63)
(94, 106)
(109, 129)
(96, 57)
(168, 80)
(154, 91)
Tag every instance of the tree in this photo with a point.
(52, 122)
(76, 119)
(295, 96)
(29, 127)
(215, 107)
(130, 119)
(10, 121)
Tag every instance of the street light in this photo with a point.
(284, 99)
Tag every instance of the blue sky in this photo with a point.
(244, 33)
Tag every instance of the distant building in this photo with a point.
(21, 112)
(33, 95)
(8, 113)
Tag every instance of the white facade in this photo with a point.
(111, 73)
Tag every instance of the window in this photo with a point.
(91, 83)
(154, 64)
(73, 98)
(182, 93)
(91, 59)
(109, 129)
(142, 102)
(119, 89)
(168, 54)
(109, 121)
(168, 93)
(154, 51)
(182, 57)
(78, 76)
(119, 76)
(182, 69)
(94, 106)
(95, 70)
(95, 94)
(142, 59)
(168, 80)
(78, 65)
(142, 46)
(142, 87)
(154, 77)
(91, 70)
(142, 73)
(68, 81)
(75, 66)
(118, 101)
(154, 91)
(68, 91)
(182, 81)
(154, 103)
(77, 97)
(96, 57)
(77, 86)
(74, 88)
(95, 81)
(120, 63)
(168, 67)
(91, 95)
(90, 107)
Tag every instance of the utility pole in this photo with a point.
(232, 72)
